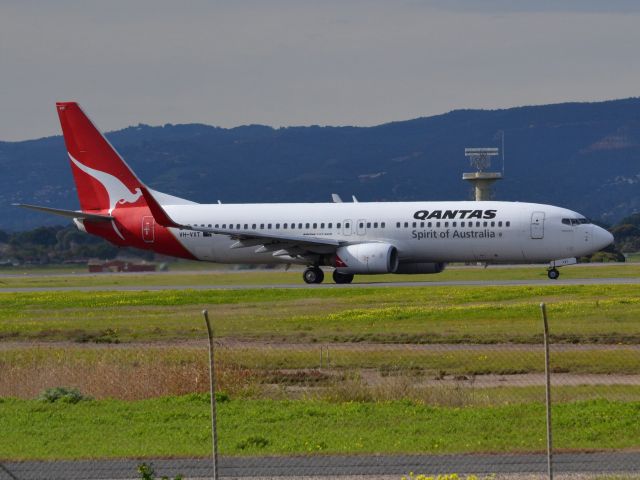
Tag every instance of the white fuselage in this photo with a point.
(494, 232)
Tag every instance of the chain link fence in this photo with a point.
(356, 404)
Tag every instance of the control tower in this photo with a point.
(482, 181)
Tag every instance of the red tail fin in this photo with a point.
(103, 180)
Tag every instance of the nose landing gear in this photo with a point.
(553, 273)
(313, 275)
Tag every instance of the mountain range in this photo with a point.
(584, 156)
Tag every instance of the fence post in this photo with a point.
(212, 388)
(547, 374)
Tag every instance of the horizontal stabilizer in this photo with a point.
(67, 213)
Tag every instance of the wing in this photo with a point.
(280, 245)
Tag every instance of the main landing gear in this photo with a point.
(313, 275)
(342, 277)
(316, 275)
(553, 273)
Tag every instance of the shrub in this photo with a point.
(148, 473)
(62, 394)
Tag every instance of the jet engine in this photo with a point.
(432, 267)
(366, 258)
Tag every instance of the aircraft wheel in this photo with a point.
(313, 275)
(553, 273)
(342, 277)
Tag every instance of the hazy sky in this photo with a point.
(326, 62)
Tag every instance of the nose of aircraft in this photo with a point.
(601, 238)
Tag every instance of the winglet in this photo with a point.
(159, 215)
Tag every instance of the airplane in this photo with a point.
(360, 238)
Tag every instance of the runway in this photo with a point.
(301, 284)
(339, 467)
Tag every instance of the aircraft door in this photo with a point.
(148, 229)
(362, 226)
(537, 225)
(346, 227)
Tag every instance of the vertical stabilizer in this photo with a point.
(103, 179)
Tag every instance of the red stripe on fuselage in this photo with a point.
(129, 222)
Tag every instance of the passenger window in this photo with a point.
(406, 224)
(508, 224)
(217, 225)
(453, 224)
(246, 227)
(446, 224)
(397, 224)
(209, 225)
(337, 225)
(277, 226)
(269, 226)
(238, 226)
(461, 224)
(484, 224)
(262, 226)
(253, 227)
(346, 225)
(368, 224)
(330, 225)
(429, 225)
(322, 225)
(500, 223)
(315, 225)
(477, 224)
(300, 226)
(493, 224)
(361, 225)
(306, 225)
(284, 226)
(375, 224)
(224, 225)
(382, 225)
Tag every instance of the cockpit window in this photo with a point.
(575, 221)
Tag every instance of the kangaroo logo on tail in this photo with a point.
(117, 191)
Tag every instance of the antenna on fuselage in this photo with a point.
(355, 200)
(336, 198)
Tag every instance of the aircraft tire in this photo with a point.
(342, 277)
(313, 275)
(553, 273)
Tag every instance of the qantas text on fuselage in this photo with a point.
(350, 238)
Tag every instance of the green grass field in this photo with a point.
(179, 426)
(469, 314)
(401, 376)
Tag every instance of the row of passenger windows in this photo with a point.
(292, 226)
(453, 224)
(338, 225)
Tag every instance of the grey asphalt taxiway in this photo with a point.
(485, 283)
(327, 466)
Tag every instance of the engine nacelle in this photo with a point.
(366, 258)
(433, 267)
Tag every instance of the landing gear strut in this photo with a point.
(342, 277)
(553, 273)
(313, 275)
